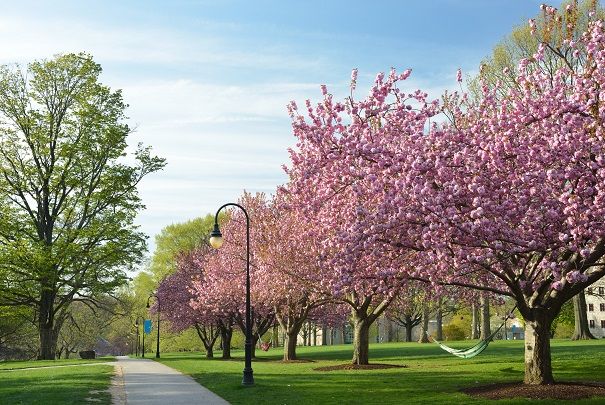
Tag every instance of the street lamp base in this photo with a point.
(248, 380)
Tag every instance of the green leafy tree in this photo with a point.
(176, 239)
(68, 192)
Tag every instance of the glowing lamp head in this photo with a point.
(216, 237)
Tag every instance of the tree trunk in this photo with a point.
(48, 342)
(485, 326)
(226, 334)
(439, 319)
(208, 336)
(254, 343)
(581, 329)
(291, 339)
(324, 333)
(291, 327)
(425, 324)
(390, 332)
(361, 340)
(290, 346)
(474, 321)
(275, 336)
(538, 367)
(408, 328)
(46, 326)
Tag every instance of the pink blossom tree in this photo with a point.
(365, 280)
(334, 186)
(223, 285)
(506, 196)
(291, 269)
(174, 294)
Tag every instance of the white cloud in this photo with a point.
(25, 38)
(219, 136)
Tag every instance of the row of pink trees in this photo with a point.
(506, 196)
(291, 282)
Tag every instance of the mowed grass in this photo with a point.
(55, 385)
(15, 365)
(431, 376)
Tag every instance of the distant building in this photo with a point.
(595, 308)
(513, 329)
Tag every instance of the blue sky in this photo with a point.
(208, 81)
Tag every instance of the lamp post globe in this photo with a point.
(216, 238)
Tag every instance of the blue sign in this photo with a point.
(147, 326)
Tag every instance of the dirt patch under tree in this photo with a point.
(562, 390)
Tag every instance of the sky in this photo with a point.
(207, 82)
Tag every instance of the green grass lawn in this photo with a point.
(14, 365)
(431, 376)
(58, 385)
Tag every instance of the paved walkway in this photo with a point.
(152, 383)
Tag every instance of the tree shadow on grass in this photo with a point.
(343, 387)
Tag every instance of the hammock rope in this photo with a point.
(265, 346)
(474, 350)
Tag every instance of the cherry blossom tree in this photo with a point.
(223, 286)
(331, 186)
(506, 196)
(175, 294)
(365, 280)
(291, 270)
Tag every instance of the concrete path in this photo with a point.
(152, 383)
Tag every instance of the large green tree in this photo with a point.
(68, 189)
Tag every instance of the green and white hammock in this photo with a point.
(471, 351)
(475, 350)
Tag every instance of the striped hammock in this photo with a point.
(471, 351)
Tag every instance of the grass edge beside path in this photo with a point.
(27, 364)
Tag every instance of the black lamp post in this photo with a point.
(216, 241)
(157, 349)
(136, 344)
(136, 323)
